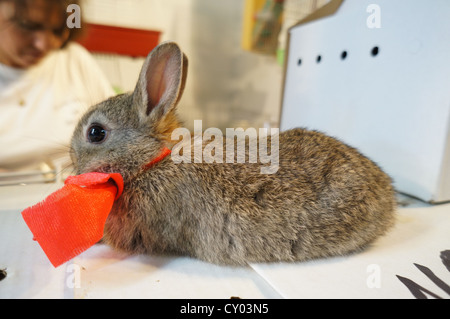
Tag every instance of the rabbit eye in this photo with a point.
(96, 134)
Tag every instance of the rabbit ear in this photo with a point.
(162, 80)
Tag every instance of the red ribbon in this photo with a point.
(72, 219)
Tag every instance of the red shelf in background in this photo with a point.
(118, 40)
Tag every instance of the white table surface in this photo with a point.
(421, 233)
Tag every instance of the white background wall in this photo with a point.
(227, 86)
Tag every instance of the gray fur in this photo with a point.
(325, 199)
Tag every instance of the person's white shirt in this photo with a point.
(40, 106)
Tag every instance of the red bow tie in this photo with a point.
(72, 219)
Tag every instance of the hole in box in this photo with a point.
(375, 51)
(2, 274)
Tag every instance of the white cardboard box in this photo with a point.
(394, 106)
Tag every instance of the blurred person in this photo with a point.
(46, 82)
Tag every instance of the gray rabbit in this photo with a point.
(325, 199)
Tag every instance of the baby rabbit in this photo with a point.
(325, 199)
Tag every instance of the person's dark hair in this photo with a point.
(74, 33)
